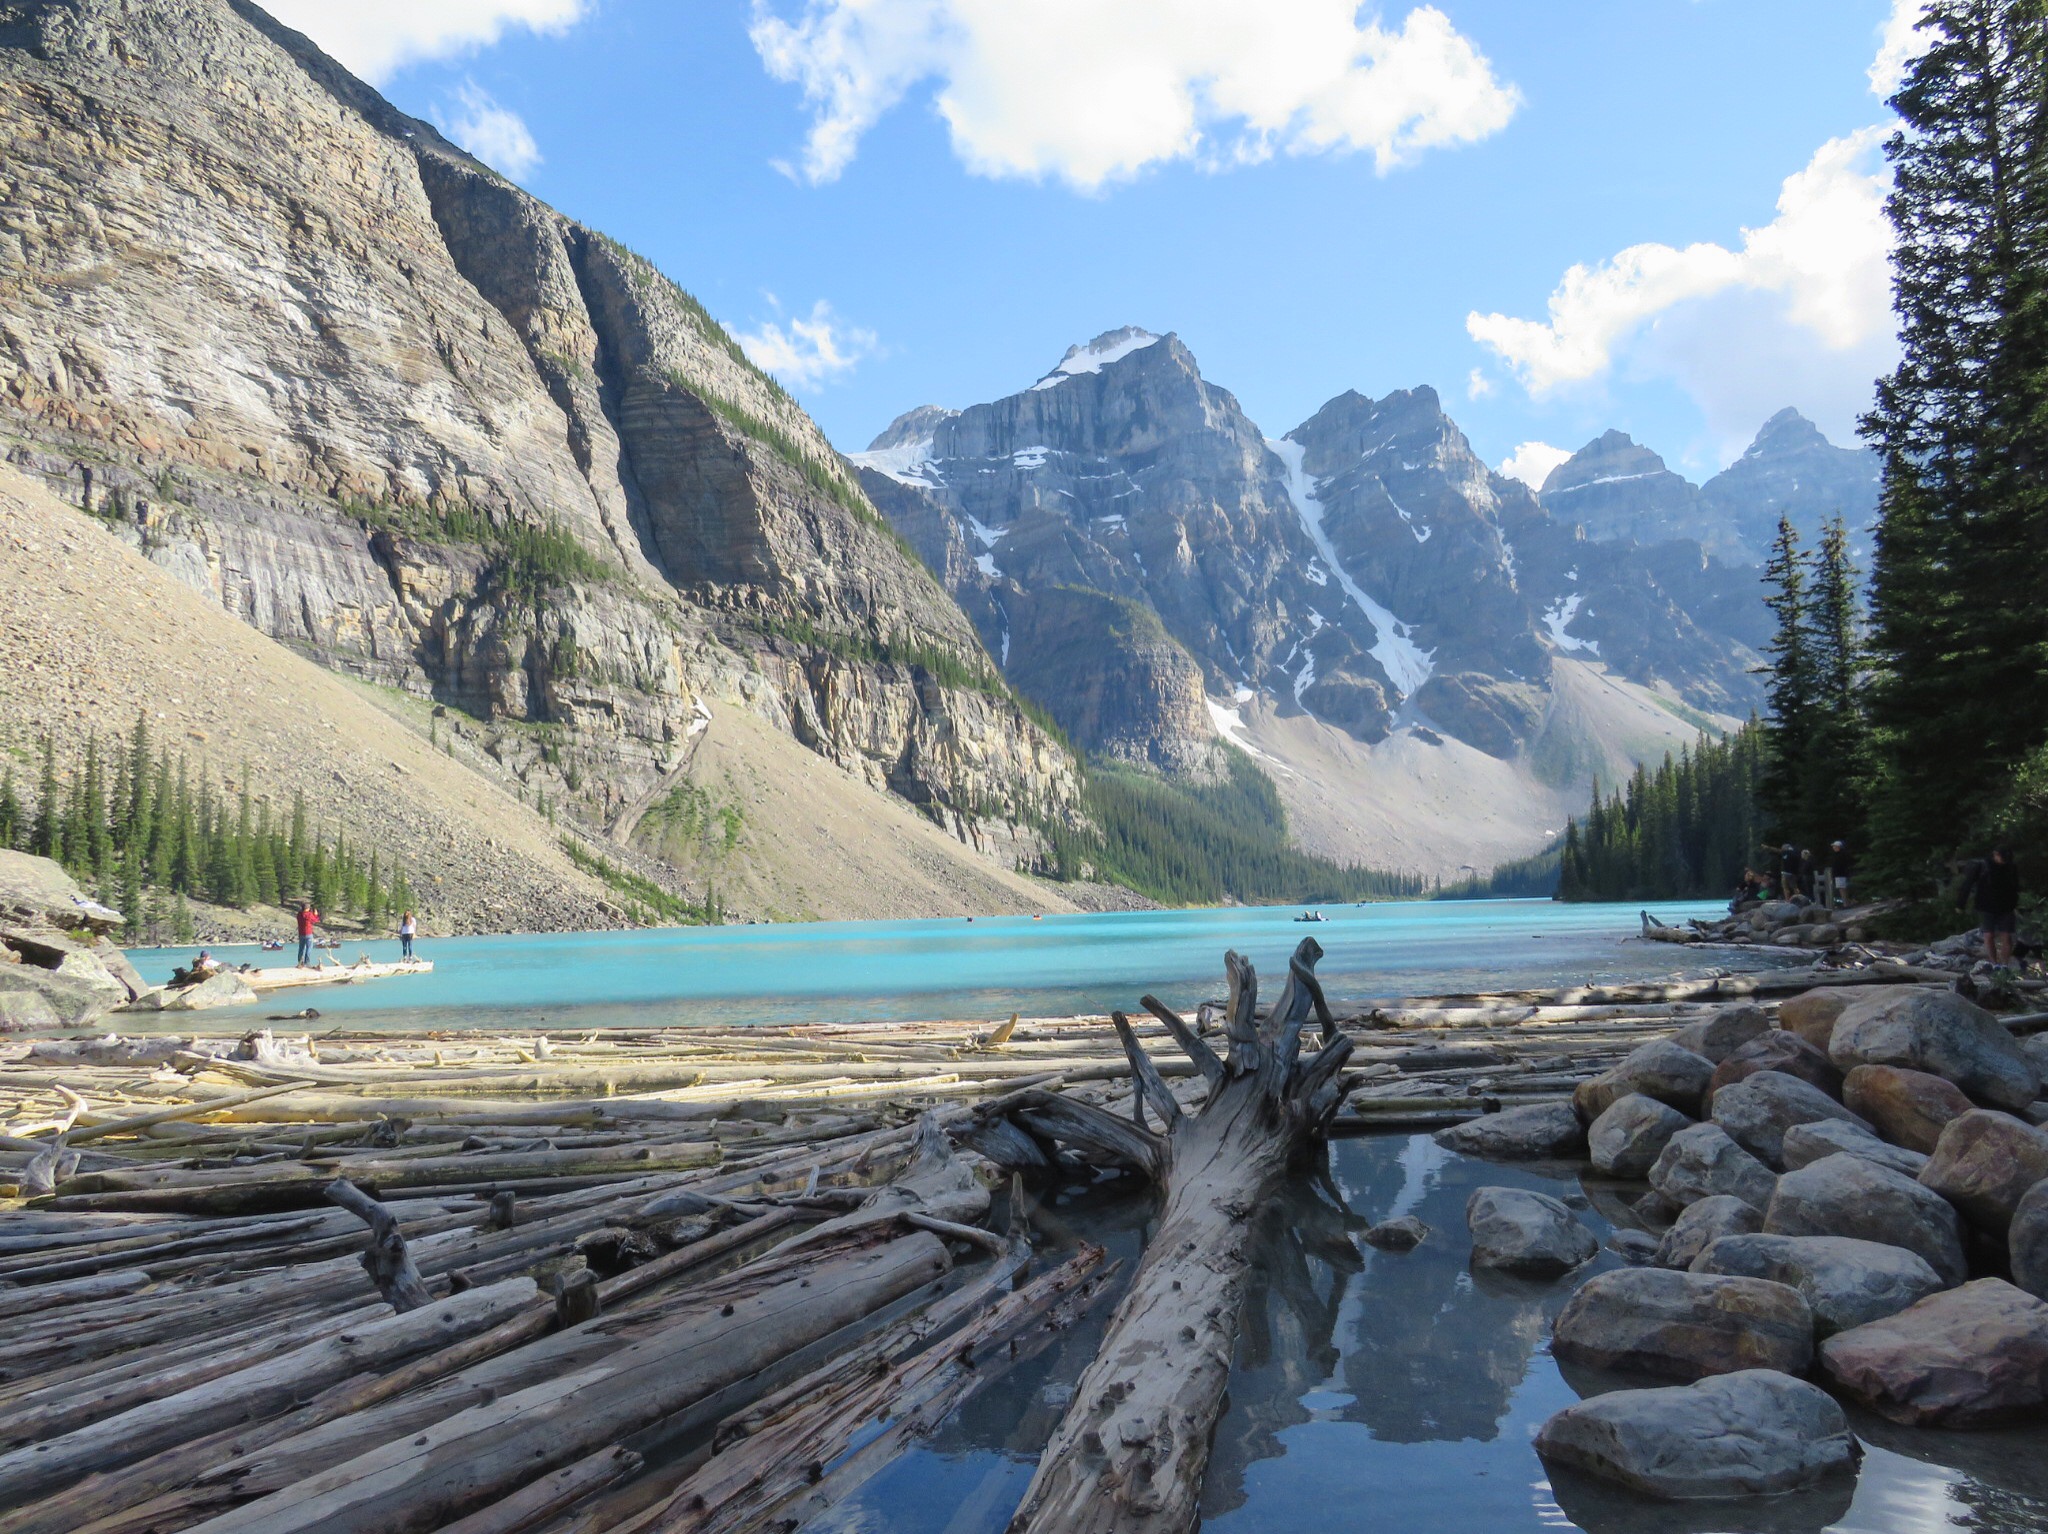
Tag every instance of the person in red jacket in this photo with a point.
(308, 920)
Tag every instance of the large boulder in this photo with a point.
(1909, 1108)
(1757, 1110)
(1755, 1432)
(1684, 1325)
(116, 963)
(1659, 1069)
(1967, 1357)
(1701, 1161)
(1941, 1033)
(1531, 1234)
(1846, 1282)
(2035, 1047)
(226, 989)
(1808, 1143)
(1848, 1196)
(35, 892)
(75, 1003)
(1704, 1223)
(2028, 1242)
(1786, 1053)
(1628, 1138)
(1812, 1014)
(1538, 1132)
(1718, 1036)
(1984, 1163)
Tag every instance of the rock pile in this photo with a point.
(58, 966)
(1857, 1190)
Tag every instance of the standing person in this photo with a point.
(1838, 873)
(1805, 879)
(408, 929)
(1788, 870)
(308, 920)
(1998, 901)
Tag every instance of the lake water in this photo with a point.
(1400, 1391)
(989, 967)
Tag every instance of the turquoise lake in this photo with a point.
(955, 968)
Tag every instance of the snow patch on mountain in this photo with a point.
(908, 463)
(1406, 663)
(1097, 355)
(1558, 616)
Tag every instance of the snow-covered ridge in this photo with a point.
(1608, 479)
(1097, 355)
(908, 463)
(1557, 618)
(1406, 663)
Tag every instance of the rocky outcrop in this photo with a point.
(1848, 1196)
(1791, 470)
(1616, 489)
(1757, 1432)
(399, 415)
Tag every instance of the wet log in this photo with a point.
(1130, 1453)
(386, 1259)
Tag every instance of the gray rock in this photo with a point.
(1846, 1282)
(1628, 1138)
(1808, 1143)
(1704, 1223)
(2028, 1242)
(226, 989)
(2035, 1047)
(1659, 1069)
(1756, 1432)
(1685, 1325)
(1539, 1132)
(1984, 1163)
(1940, 1033)
(1777, 1051)
(1716, 1038)
(1531, 1234)
(1845, 1195)
(1909, 1108)
(1402, 1235)
(1702, 1161)
(1969, 1356)
(77, 1003)
(116, 964)
(25, 1011)
(1757, 1110)
(1637, 1248)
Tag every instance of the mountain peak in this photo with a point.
(1611, 456)
(1111, 346)
(913, 426)
(1787, 431)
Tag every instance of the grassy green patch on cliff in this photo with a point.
(1197, 844)
(524, 557)
(645, 903)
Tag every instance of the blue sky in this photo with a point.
(1316, 196)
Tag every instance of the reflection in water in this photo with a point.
(1400, 1391)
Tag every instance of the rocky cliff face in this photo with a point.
(1616, 489)
(1792, 470)
(393, 411)
(1367, 570)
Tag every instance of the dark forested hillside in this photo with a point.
(1689, 828)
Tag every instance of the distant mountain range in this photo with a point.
(1362, 601)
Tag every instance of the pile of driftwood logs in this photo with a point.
(685, 1279)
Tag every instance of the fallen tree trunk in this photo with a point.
(1130, 1453)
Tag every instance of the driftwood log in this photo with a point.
(1129, 1454)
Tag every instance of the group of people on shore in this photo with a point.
(1802, 876)
(308, 918)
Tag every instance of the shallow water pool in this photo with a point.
(1400, 1391)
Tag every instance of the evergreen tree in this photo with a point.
(1960, 637)
(1686, 829)
(244, 853)
(185, 852)
(48, 838)
(1791, 692)
(11, 819)
(182, 929)
(131, 899)
(1837, 768)
(138, 813)
(373, 896)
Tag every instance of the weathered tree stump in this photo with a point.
(1130, 1453)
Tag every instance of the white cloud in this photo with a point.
(1532, 462)
(494, 134)
(810, 351)
(1478, 385)
(1815, 283)
(375, 38)
(1094, 91)
(1900, 46)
